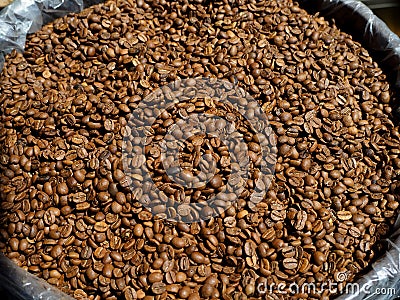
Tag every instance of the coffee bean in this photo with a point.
(339, 189)
(72, 272)
(185, 292)
(370, 209)
(158, 288)
(76, 203)
(14, 244)
(130, 294)
(344, 215)
(91, 274)
(178, 243)
(62, 188)
(101, 226)
(197, 257)
(216, 181)
(107, 270)
(91, 51)
(168, 265)
(23, 245)
(155, 277)
(206, 290)
(354, 232)
(120, 283)
(290, 263)
(180, 277)
(118, 175)
(309, 180)
(319, 257)
(138, 230)
(102, 185)
(194, 296)
(56, 251)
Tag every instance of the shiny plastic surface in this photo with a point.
(27, 16)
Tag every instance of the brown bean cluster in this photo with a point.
(69, 215)
(196, 152)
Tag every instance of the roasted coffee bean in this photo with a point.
(178, 242)
(138, 230)
(290, 263)
(370, 209)
(216, 181)
(158, 288)
(107, 270)
(56, 251)
(319, 257)
(130, 294)
(155, 277)
(86, 252)
(300, 221)
(185, 292)
(197, 257)
(344, 215)
(78, 211)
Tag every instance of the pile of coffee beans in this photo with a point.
(70, 216)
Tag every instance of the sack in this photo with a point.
(352, 16)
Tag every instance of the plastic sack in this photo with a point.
(383, 282)
(25, 286)
(354, 17)
(16, 21)
(27, 16)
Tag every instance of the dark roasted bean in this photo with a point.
(77, 205)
